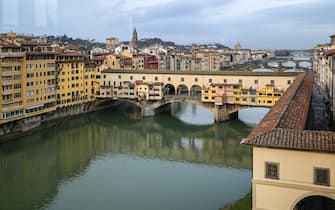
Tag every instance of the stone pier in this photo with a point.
(225, 112)
(152, 110)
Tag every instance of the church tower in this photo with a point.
(134, 39)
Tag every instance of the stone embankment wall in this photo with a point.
(12, 130)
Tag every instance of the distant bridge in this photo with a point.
(281, 61)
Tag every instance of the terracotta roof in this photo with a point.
(8, 45)
(90, 64)
(31, 43)
(270, 120)
(321, 141)
(41, 53)
(295, 116)
(284, 125)
(69, 54)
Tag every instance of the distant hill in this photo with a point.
(87, 43)
(142, 43)
(147, 42)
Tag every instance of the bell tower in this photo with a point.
(134, 40)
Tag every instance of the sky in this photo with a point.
(256, 24)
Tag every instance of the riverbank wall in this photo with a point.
(12, 130)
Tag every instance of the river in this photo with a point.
(111, 160)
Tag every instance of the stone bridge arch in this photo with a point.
(305, 64)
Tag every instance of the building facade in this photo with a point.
(27, 78)
(70, 79)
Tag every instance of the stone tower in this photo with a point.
(134, 40)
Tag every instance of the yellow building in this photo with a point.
(293, 168)
(234, 94)
(91, 84)
(70, 79)
(237, 89)
(12, 101)
(40, 79)
(142, 91)
(268, 96)
(27, 78)
(208, 94)
(112, 62)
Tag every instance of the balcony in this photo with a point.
(7, 92)
(11, 54)
(7, 82)
(7, 101)
(12, 108)
(7, 73)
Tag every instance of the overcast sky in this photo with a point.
(258, 24)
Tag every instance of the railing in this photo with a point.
(12, 107)
(7, 82)
(181, 97)
(7, 92)
(11, 54)
(7, 73)
(7, 101)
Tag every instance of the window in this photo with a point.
(169, 78)
(17, 95)
(156, 78)
(225, 81)
(17, 77)
(240, 81)
(289, 82)
(271, 170)
(182, 79)
(30, 93)
(256, 82)
(322, 176)
(210, 80)
(17, 86)
(119, 76)
(196, 79)
(272, 82)
(30, 84)
(131, 78)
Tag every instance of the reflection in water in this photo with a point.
(192, 113)
(252, 116)
(107, 161)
